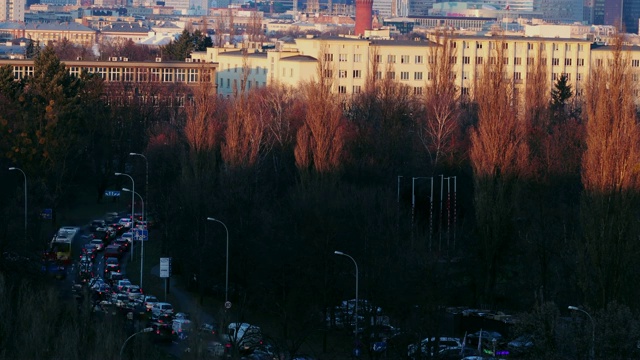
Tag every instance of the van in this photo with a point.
(245, 336)
(181, 328)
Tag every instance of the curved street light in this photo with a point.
(145, 330)
(25, 199)
(593, 330)
(226, 276)
(133, 203)
(141, 239)
(356, 308)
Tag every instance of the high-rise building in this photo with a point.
(623, 13)
(12, 10)
(560, 10)
(631, 15)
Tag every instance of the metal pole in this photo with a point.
(25, 200)
(357, 290)
(141, 238)
(226, 272)
(145, 330)
(455, 209)
(440, 216)
(133, 204)
(431, 215)
(146, 186)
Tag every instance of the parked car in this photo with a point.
(432, 346)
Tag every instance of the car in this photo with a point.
(86, 259)
(120, 285)
(113, 251)
(122, 243)
(181, 315)
(208, 328)
(109, 268)
(133, 292)
(98, 244)
(181, 328)
(112, 277)
(162, 331)
(128, 236)
(125, 222)
(161, 308)
(112, 260)
(103, 234)
(102, 291)
(427, 346)
(243, 335)
(520, 345)
(120, 300)
(97, 224)
(148, 301)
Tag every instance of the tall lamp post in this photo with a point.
(357, 291)
(133, 204)
(146, 184)
(25, 199)
(226, 272)
(145, 330)
(141, 239)
(593, 331)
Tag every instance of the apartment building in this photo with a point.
(351, 61)
(12, 10)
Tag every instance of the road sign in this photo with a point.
(46, 214)
(165, 267)
(227, 305)
(140, 235)
(113, 193)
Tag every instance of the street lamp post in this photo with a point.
(593, 331)
(145, 330)
(146, 184)
(25, 199)
(357, 291)
(141, 238)
(133, 204)
(226, 272)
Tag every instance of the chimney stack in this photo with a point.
(364, 13)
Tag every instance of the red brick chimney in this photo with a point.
(364, 12)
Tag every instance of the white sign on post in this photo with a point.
(165, 267)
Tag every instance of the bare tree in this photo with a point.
(498, 151)
(320, 139)
(610, 180)
(440, 121)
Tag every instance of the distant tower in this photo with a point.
(364, 12)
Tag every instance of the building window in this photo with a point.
(567, 47)
(429, 75)
(580, 47)
(529, 61)
(167, 75)
(342, 89)
(635, 63)
(357, 74)
(418, 59)
(417, 76)
(517, 61)
(155, 75)
(464, 91)
(529, 46)
(517, 76)
(431, 60)
(578, 77)
(378, 75)
(543, 47)
(567, 62)
(555, 47)
(404, 59)
(417, 90)
(391, 75)
(342, 74)
(378, 59)
(391, 59)
(543, 61)
(228, 83)
(505, 60)
(328, 73)
(466, 60)
(328, 57)
(568, 76)
(555, 62)
(357, 89)
(505, 46)
(479, 60)
(478, 45)
(357, 58)
(128, 74)
(404, 75)
(453, 59)
(453, 44)
(193, 75)
(555, 76)
(342, 57)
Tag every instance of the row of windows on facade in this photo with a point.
(505, 45)
(250, 83)
(250, 70)
(466, 60)
(406, 75)
(126, 74)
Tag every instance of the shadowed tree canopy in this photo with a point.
(186, 44)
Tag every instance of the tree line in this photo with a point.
(546, 197)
